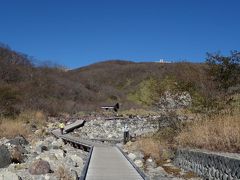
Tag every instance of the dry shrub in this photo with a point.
(21, 125)
(34, 117)
(11, 128)
(221, 133)
(63, 174)
(154, 148)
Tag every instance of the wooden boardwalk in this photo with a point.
(73, 126)
(108, 163)
(105, 162)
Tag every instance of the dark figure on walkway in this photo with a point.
(125, 134)
(61, 126)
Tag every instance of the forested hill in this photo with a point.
(52, 89)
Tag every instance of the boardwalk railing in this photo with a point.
(85, 168)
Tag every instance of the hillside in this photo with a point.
(52, 89)
(165, 106)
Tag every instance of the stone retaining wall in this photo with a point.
(209, 165)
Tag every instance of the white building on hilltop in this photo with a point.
(163, 61)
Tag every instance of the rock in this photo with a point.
(47, 157)
(110, 136)
(138, 163)
(112, 129)
(168, 160)
(49, 139)
(5, 156)
(150, 163)
(174, 101)
(69, 161)
(74, 175)
(37, 146)
(132, 156)
(58, 153)
(56, 144)
(40, 167)
(22, 149)
(16, 155)
(78, 160)
(19, 140)
(128, 144)
(139, 155)
(3, 140)
(17, 167)
(41, 148)
(7, 175)
(38, 132)
(51, 125)
(157, 173)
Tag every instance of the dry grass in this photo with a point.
(154, 148)
(220, 133)
(37, 118)
(10, 128)
(172, 170)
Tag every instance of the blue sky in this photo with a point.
(76, 33)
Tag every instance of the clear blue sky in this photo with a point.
(75, 33)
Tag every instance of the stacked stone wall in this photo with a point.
(209, 165)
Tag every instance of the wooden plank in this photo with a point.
(108, 163)
(115, 141)
(82, 141)
(73, 126)
(115, 118)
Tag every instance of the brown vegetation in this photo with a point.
(11, 128)
(219, 133)
(54, 90)
(63, 173)
(22, 124)
(154, 148)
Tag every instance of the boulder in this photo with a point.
(78, 160)
(150, 163)
(138, 163)
(56, 144)
(74, 175)
(139, 155)
(5, 156)
(7, 175)
(39, 167)
(60, 154)
(41, 148)
(49, 139)
(132, 156)
(19, 140)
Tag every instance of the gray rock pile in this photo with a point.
(174, 101)
(5, 156)
(48, 158)
(113, 129)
